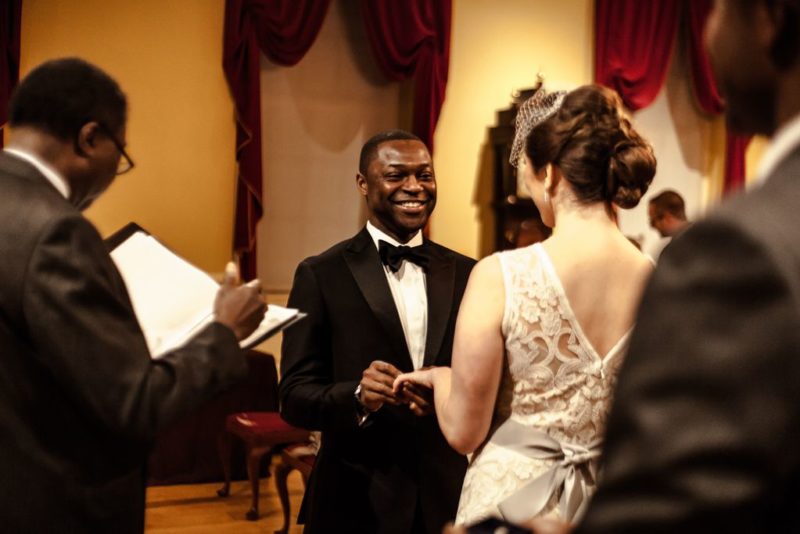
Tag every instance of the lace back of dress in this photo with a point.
(553, 380)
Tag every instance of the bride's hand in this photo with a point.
(419, 398)
(421, 377)
(417, 390)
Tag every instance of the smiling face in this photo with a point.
(400, 188)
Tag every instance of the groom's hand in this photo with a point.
(419, 398)
(376, 385)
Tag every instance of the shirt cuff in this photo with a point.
(362, 412)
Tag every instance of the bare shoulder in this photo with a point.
(641, 263)
(484, 297)
(484, 300)
(487, 272)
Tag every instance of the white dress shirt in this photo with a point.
(782, 144)
(52, 176)
(410, 298)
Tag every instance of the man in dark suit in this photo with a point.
(704, 432)
(80, 397)
(667, 213)
(381, 303)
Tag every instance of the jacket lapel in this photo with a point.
(365, 265)
(440, 282)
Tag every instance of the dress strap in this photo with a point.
(508, 280)
(573, 474)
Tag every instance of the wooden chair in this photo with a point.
(187, 451)
(300, 456)
(262, 433)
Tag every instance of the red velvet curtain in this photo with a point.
(411, 38)
(10, 16)
(634, 41)
(707, 94)
(633, 47)
(283, 30)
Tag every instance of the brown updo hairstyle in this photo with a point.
(592, 142)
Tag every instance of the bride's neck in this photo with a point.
(583, 221)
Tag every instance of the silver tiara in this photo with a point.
(533, 112)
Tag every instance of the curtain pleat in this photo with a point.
(708, 97)
(284, 31)
(411, 39)
(633, 47)
(10, 18)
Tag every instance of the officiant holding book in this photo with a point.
(378, 304)
(80, 397)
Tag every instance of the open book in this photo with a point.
(172, 298)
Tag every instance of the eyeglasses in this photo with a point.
(125, 162)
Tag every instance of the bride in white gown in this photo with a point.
(542, 330)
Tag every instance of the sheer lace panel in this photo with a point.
(557, 380)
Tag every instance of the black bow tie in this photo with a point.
(393, 256)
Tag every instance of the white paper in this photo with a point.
(173, 299)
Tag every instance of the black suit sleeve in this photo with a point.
(703, 433)
(310, 398)
(85, 333)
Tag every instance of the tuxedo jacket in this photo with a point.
(396, 473)
(704, 435)
(80, 398)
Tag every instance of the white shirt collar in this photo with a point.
(782, 144)
(382, 236)
(52, 176)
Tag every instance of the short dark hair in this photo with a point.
(62, 95)
(592, 142)
(669, 201)
(370, 148)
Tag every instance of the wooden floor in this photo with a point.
(196, 508)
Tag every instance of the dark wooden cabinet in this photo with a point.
(517, 221)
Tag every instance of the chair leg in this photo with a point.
(254, 456)
(224, 444)
(304, 473)
(282, 471)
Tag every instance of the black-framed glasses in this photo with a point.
(125, 162)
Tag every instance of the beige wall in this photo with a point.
(316, 116)
(753, 158)
(497, 47)
(167, 56)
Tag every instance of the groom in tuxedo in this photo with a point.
(378, 304)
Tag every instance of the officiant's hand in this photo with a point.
(239, 307)
(376, 385)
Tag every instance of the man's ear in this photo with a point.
(361, 183)
(87, 138)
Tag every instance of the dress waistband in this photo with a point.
(573, 473)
